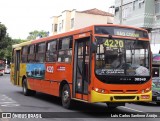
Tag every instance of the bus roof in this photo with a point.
(22, 44)
(86, 29)
(73, 32)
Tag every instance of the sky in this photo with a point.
(23, 16)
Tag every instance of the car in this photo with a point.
(156, 90)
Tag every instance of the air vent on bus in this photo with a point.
(131, 91)
(124, 97)
(116, 91)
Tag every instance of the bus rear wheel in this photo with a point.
(66, 96)
(25, 89)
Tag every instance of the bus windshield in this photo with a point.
(122, 57)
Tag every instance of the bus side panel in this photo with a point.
(12, 73)
(55, 74)
(30, 84)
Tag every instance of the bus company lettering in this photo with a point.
(61, 68)
(50, 69)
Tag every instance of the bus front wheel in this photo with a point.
(66, 96)
(25, 89)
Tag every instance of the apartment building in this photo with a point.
(141, 13)
(70, 20)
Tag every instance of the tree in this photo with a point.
(34, 34)
(3, 30)
(4, 40)
(6, 43)
(6, 47)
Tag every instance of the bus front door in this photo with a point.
(17, 67)
(81, 69)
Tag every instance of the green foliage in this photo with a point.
(34, 34)
(3, 30)
(5, 47)
(6, 42)
(17, 41)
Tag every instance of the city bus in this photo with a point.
(156, 78)
(97, 64)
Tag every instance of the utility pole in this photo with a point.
(121, 12)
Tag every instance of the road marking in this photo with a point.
(6, 101)
(131, 109)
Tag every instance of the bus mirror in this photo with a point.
(94, 47)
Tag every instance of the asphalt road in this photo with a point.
(49, 108)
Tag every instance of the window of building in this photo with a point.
(72, 23)
(141, 3)
(127, 11)
(51, 54)
(55, 27)
(157, 10)
(60, 27)
(24, 54)
(31, 53)
(157, 7)
(40, 53)
(65, 50)
(62, 23)
(134, 5)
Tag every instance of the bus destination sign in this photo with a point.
(121, 31)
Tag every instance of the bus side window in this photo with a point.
(40, 52)
(24, 54)
(65, 50)
(51, 52)
(31, 53)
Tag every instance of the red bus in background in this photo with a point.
(2, 66)
(101, 63)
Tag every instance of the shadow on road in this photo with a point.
(79, 109)
(153, 104)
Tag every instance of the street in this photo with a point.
(12, 100)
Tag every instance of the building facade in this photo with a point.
(70, 20)
(141, 13)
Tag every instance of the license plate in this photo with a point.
(158, 98)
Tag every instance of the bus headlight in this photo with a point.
(99, 90)
(146, 90)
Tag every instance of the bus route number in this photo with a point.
(114, 43)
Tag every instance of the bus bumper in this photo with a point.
(99, 97)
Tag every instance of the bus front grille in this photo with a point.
(124, 91)
(124, 97)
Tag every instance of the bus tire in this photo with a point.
(25, 89)
(66, 96)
